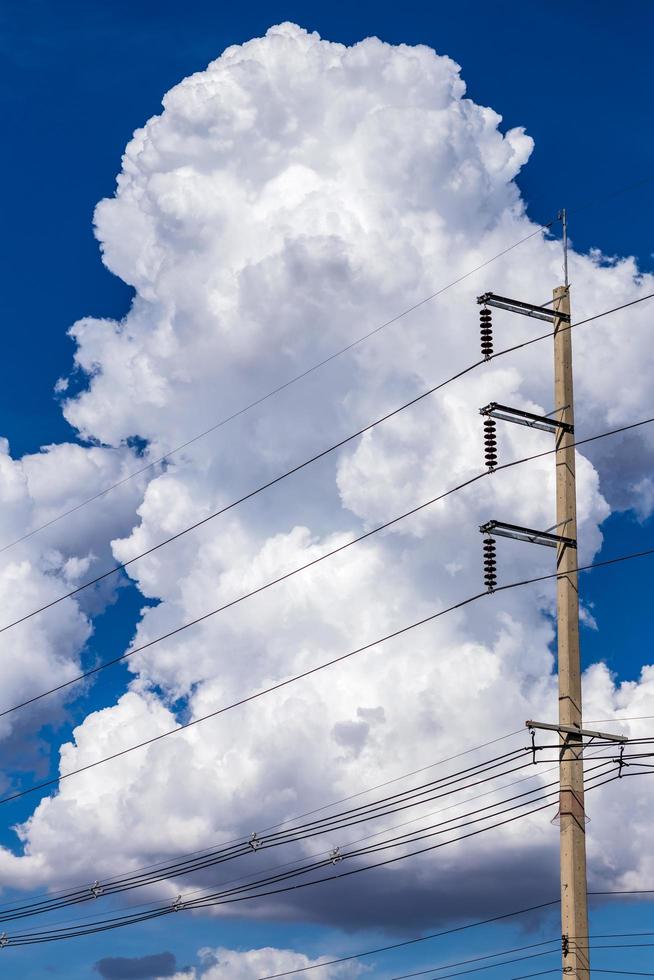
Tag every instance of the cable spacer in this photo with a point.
(96, 889)
(254, 841)
(335, 855)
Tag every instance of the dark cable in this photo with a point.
(477, 969)
(288, 820)
(313, 670)
(211, 901)
(489, 550)
(274, 391)
(338, 821)
(325, 452)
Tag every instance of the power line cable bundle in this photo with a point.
(277, 884)
(458, 782)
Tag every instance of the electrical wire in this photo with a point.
(310, 564)
(185, 896)
(419, 835)
(361, 954)
(276, 390)
(541, 973)
(288, 820)
(313, 670)
(514, 584)
(600, 721)
(230, 897)
(310, 370)
(478, 959)
(300, 466)
(624, 973)
(417, 795)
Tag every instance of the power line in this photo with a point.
(316, 863)
(361, 954)
(300, 466)
(599, 721)
(624, 973)
(221, 899)
(186, 895)
(236, 895)
(232, 895)
(308, 813)
(477, 959)
(626, 891)
(311, 369)
(414, 796)
(312, 670)
(310, 564)
(541, 973)
(616, 946)
(276, 390)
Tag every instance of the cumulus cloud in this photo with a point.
(287, 199)
(221, 963)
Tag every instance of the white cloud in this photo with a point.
(221, 963)
(36, 569)
(289, 198)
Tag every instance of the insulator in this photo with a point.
(490, 444)
(490, 564)
(486, 331)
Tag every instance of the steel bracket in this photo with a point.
(518, 306)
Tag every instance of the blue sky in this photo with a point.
(78, 78)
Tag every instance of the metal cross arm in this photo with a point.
(500, 529)
(520, 417)
(573, 730)
(518, 306)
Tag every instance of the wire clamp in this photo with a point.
(621, 762)
(254, 841)
(335, 855)
(178, 904)
(96, 889)
(565, 944)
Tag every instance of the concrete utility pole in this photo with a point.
(574, 901)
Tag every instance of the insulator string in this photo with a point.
(490, 443)
(486, 331)
(490, 564)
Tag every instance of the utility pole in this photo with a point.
(574, 901)
(560, 422)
